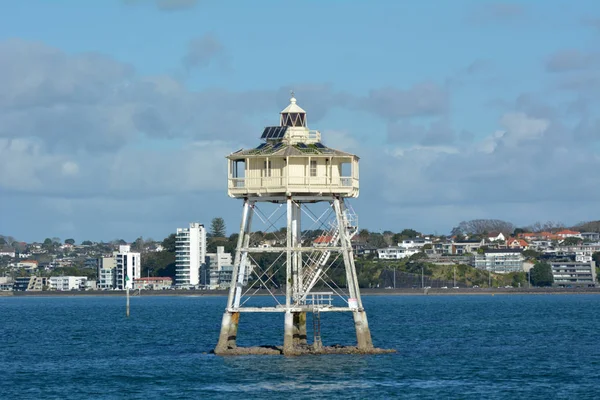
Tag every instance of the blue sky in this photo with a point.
(116, 115)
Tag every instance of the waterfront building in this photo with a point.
(153, 283)
(128, 267)
(64, 283)
(216, 264)
(573, 274)
(500, 261)
(106, 273)
(31, 283)
(190, 254)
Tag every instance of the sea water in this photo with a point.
(463, 347)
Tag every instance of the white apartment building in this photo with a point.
(64, 283)
(190, 254)
(128, 268)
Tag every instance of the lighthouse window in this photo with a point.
(267, 169)
(313, 167)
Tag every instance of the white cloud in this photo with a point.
(70, 168)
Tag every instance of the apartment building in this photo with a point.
(573, 273)
(190, 254)
(128, 267)
(500, 261)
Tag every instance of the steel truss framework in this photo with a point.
(307, 266)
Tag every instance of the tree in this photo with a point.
(481, 226)
(2, 241)
(596, 258)
(217, 227)
(572, 241)
(518, 231)
(541, 274)
(168, 243)
(363, 234)
(410, 233)
(548, 226)
(591, 226)
(86, 243)
(529, 253)
(69, 241)
(138, 244)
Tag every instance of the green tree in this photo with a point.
(518, 231)
(217, 227)
(2, 241)
(86, 243)
(168, 243)
(138, 244)
(541, 274)
(531, 253)
(572, 241)
(596, 258)
(410, 233)
(377, 240)
(363, 234)
(69, 241)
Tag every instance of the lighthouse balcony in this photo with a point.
(306, 186)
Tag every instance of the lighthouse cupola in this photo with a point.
(293, 115)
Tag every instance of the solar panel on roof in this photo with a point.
(319, 145)
(274, 132)
(278, 145)
(262, 145)
(302, 145)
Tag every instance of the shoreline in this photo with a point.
(364, 292)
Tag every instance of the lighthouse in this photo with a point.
(292, 170)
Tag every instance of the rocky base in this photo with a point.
(300, 350)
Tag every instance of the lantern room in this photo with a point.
(292, 161)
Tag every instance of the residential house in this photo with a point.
(7, 252)
(28, 265)
(496, 237)
(515, 243)
(566, 233)
(396, 252)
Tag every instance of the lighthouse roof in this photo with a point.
(293, 107)
(285, 150)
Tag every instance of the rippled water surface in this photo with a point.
(467, 347)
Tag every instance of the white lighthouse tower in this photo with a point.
(292, 170)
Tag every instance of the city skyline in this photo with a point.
(116, 117)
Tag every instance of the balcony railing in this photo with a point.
(276, 182)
